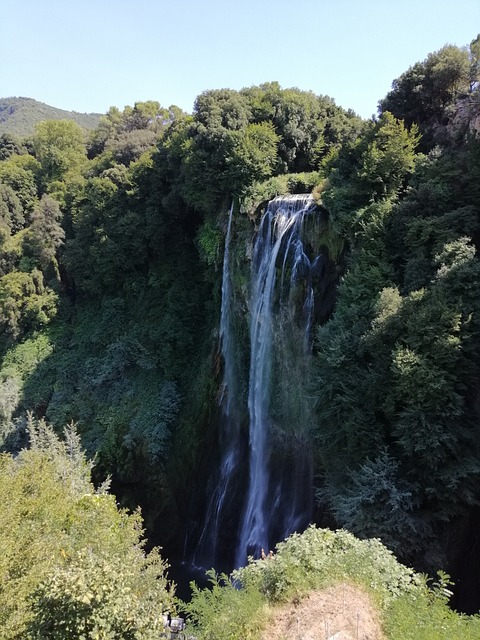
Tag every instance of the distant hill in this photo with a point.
(20, 115)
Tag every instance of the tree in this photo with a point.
(308, 126)
(72, 563)
(11, 210)
(221, 109)
(59, 147)
(21, 173)
(146, 115)
(397, 364)
(26, 304)
(474, 62)
(45, 234)
(372, 170)
(389, 156)
(446, 76)
(143, 117)
(129, 146)
(423, 94)
(10, 145)
(253, 156)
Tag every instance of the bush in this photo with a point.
(72, 563)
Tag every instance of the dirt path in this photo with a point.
(342, 612)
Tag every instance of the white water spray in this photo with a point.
(280, 232)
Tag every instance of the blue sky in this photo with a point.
(88, 55)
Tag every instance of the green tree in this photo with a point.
(447, 74)
(45, 234)
(11, 210)
(117, 127)
(474, 62)
(423, 94)
(10, 145)
(21, 174)
(25, 304)
(72, 563)
(59, 147)
(397, 363)
(253, 157)
(308, 126)
(373, 169)
(129, 146)
(389, 156)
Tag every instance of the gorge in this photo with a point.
(277, 498)
(241, 371)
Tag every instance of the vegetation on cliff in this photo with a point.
(111, 246)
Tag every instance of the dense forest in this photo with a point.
(111, 252)
(19, 116)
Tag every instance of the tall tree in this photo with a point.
(59, 147)
(45, 234)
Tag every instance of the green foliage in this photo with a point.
(102, 597)
(19, 362)
(244, 603)
(429, 617)
(11, 210)
(10, 145)
(130, 145)
(254, 155)
(126, 134)
(210, 241)
(388, 158)
(149, 429)
(18, 116)
(373, 170)
(223, 612)
(21, 173)
(261, 192)
(397, 363)
(474, 62)
(25, 304)
(308, 126)
(72, 564)
(236, 138)
(45, 234)
(375, 499)
(423, 93)
(122, 261)
(321, 557)
(59, 147)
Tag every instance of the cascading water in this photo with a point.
(278, 500)
(207, 548)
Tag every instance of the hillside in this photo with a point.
(20, 115)
(261, 315)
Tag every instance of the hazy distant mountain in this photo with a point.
(20, 115)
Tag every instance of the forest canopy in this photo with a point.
(111, 249)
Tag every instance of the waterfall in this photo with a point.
(226, 338)
(278, 499)
(207, 548)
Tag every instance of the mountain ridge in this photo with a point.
(19, 115)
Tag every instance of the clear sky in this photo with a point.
(88, 55)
